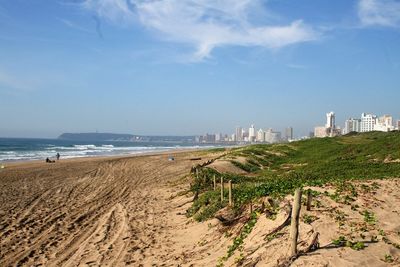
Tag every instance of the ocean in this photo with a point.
(21, 149)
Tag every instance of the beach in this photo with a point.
(131, 211)
(109, 212)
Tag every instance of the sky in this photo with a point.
(183, 67)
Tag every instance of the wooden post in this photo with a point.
(294, 227)
(215, 183)
(309, 199)
(222, 188)
(197, 173)
(230, 193)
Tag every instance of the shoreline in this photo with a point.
(21, 163)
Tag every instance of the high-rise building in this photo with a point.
(384, 124)
(252, 133)
(218, 137)
(330, 129)
(321, 132)
(239, 134)
(352, 125)
(368, 122)
(330, 120)
(272, 137)
(260, 136)
(289, 133)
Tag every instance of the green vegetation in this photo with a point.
(388, 258)
(343, 242)
(369, 217)
(277, 170)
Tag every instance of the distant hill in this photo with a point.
(124, 137)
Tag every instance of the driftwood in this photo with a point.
(314, 245)
(280, 227)
(227, 216)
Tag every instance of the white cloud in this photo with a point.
(379, 12)
(204, 24)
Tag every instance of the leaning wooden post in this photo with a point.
(215, 183)
(230, 193)
(294, 228)
(222, 188)
(309, 199)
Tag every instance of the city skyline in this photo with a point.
(188, 67)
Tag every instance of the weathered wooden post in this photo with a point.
(309, 199)
(230, 193)
(222, 188)
(215, 183)
(294, 227)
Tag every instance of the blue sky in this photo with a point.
(195, 66)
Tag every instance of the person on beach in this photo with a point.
(58, 156)
(50, 161)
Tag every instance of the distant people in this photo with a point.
(58, 156)
(50, 161)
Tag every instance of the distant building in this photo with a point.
(207, 138)
(289, 133)
(331, 120)
(260, 136)
(239, 134)
(330, 129)
(352, 125)
(398, 125)
(272, 137)
(368, 122)
(321, 132)
(384, 124)
(252, 133)
(218, 137)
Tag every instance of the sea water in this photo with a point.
(19, 149)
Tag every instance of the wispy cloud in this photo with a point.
(204, 24)
(379, 13)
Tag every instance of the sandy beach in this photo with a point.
(131, 211)
(108, 212)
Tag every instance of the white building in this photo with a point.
(272, 137)
(260, 136)
(252, 133)
(352, 125)
(330, 120)
(218, 137)
(239, 134)
(368, 122)
(289, 134)
(320, 132)
(384, 124)
(330, 129)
